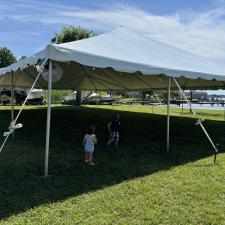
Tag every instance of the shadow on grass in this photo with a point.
(141, 152)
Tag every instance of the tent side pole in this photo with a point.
(46, 96)
(168, 118)
(12, 103)
(224, 109)
(48, 119)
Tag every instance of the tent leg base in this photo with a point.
(214, 161)
(172, 156)
(48, 176)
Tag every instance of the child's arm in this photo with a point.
(84, 140)
(109, 126)
(94, 139)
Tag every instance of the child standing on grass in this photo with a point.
(114, 129)
(89, 145)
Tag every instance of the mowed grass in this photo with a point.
(138, 183)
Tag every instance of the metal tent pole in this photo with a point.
(46, 97)
(48, 118)
(182, 105)
(12, 103)
(168, 118)
(129, 101)
(224, 109)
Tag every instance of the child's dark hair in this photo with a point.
(91, 129)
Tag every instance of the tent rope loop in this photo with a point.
(199, 121)
(12, 127)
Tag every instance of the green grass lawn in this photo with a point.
(136, 184)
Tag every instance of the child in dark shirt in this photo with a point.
(114, 129)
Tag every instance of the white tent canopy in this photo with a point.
(120, 59)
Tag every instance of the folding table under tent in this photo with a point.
(118, 60)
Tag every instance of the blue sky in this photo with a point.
(194, 25)
(28, 25)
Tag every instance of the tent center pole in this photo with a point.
(168, 118)
(12, 103)
(48, 119)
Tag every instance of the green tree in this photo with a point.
(6, 57)
(71, 33)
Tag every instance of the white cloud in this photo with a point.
(202, 32)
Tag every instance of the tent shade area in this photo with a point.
(118, 60)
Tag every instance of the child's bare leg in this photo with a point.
(86, 157)
(90, 157)
(109, 141)
(117, 140)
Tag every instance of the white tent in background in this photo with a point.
(117, 60)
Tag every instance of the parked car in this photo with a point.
(35, 98)
(97, 99)
(19, 96)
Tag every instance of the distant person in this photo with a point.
(114, 129)
(89, 145)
